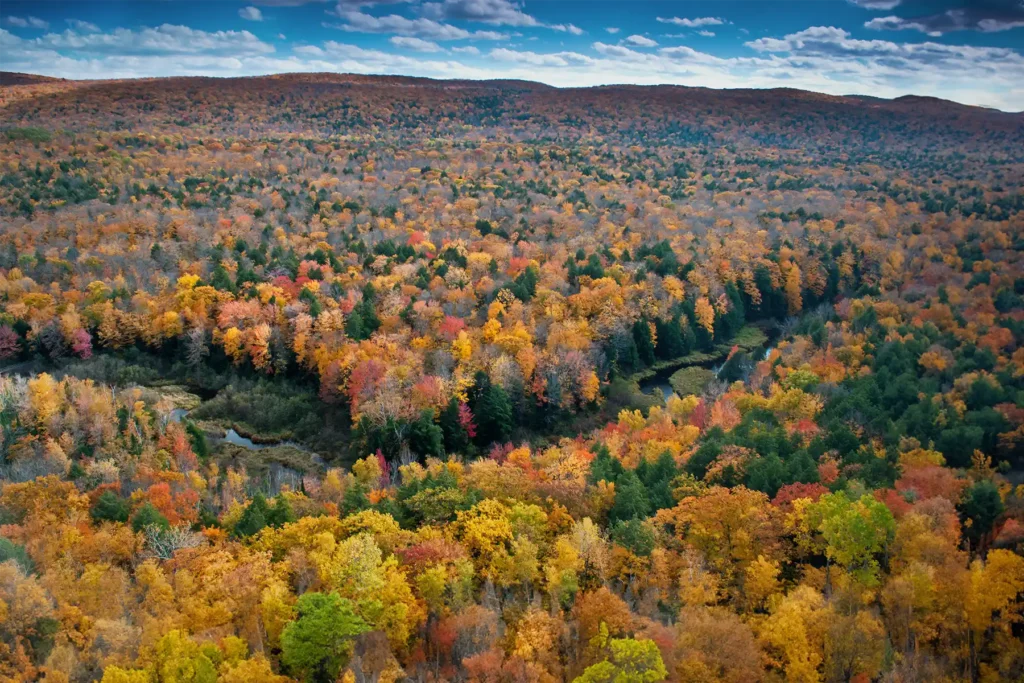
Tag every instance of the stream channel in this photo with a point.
(659, 382)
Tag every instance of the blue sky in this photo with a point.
(971, 51)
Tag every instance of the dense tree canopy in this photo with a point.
(319, 378)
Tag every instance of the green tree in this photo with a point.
(317, 644)
(147, 516)
(456, 440)
(354, 326)
(493, 412)
(181, 660)
(111, 507)
(981, 507)
(671, 343)
(367, 311)
(631, 501)
(355, 499)
(9, 550)
(854, 531)
(425, 437)
(657, 478)
(281, 513)
(604, 467)
(221, 280)
(629, 661)
(254, 518)
(634, 535)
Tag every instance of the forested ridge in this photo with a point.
(324, 377)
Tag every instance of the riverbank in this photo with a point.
(234, 442)
(658, 377)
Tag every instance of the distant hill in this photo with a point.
(15, 78)
(332, 103)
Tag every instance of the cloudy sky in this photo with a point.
(971, 51)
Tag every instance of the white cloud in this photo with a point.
(497, 12)
(83, 26)
(292, 3)
(467, 50)
(992, 16)
(876, 4)
(341, 4)
(997, 25)
(706, 34)
(613, 29)
(428, 29)
(640, 41)
(413, 43)
(975, 75)
(251, 14)
(618, 51)
(353, 59)
(28, 22)
(692, 23)
(897, 24)
(571, 28)
(950, 21)
(557, 59)
(165, 39)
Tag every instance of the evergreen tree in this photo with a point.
(221, 280)
(111, 507)
(657, 479)
(631, 501)
(494, 417)
(147, 516)
(670, 338)
(456, 440)
(197, 437)
(371, 322)
(254, 517)
(604, 467)
(281, 513)
(355, 499)
(425, 437)
(982, 505)
(635, 536)
(642, 339)
(354, 327)
(766, 474)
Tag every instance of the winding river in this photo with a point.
(660, 381)
(233, 437)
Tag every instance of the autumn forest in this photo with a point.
(326, 378)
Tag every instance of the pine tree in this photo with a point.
(631, 501)
(494, 416)
(642, 338)
(354, 327)
(147, 516)
(425, 437)
(670, 339)
(254, 518)
(604, 467)
(111, 507)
